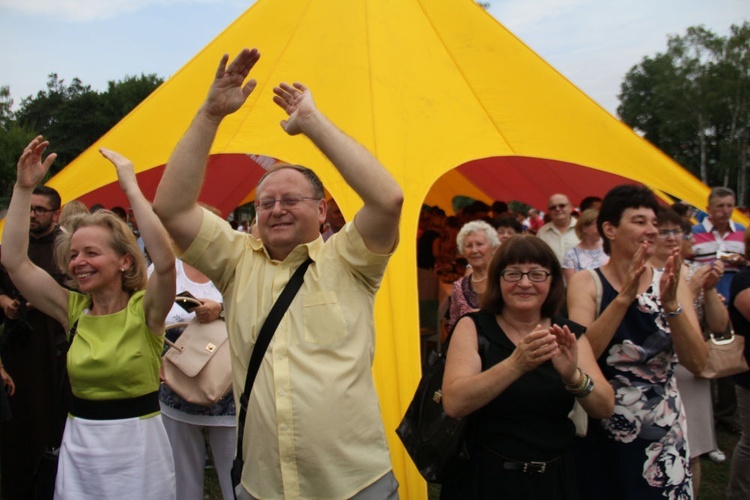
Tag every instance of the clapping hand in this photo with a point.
(31, 169)
(636, 269)
(670, 279)
(565, 360)
(535, 348)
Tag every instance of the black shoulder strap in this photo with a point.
(264, 338)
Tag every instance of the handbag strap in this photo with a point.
(599, 291)
(169, 343)
(264, 338)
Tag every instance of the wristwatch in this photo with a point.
(221, 313)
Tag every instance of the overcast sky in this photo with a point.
(592, 42)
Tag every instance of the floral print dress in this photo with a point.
(641, 452)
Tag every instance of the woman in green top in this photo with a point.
(114, 445)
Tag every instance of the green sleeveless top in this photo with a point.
(113, 356)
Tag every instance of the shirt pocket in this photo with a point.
(323, 318)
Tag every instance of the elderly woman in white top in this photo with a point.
(477, 242)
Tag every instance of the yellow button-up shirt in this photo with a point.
(313, 427)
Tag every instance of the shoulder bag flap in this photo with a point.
(196, 346)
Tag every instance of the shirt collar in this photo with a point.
(298, 255)
(709, 226)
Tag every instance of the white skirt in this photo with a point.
(119, 459)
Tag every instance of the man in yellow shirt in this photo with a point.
(313, 428)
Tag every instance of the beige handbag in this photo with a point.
(726, 356)
(197, 366)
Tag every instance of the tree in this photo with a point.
(13, 138)
(71, 116)
(692, 102)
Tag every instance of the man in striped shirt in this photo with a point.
(717, 237)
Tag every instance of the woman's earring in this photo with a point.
(122, 269)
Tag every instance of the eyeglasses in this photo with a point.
(666, 233)
(537, 276)
(41, 210)
(287, 202)
(559, 206)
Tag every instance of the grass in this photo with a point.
(713, 486)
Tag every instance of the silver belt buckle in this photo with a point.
(535, 467)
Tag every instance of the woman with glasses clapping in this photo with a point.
(518, 388)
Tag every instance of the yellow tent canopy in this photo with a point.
(427, 86)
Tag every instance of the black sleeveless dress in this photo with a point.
(527, 422)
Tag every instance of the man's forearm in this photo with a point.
(359, 168)
(176, 200)
(183, 177)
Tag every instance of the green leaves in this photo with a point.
(692, 101)
(71, 116)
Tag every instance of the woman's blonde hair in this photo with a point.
(587, 218)
(122, 241)
(71, 208)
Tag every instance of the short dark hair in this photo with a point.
(619, 199)
(720, 192)
(509, 221)
(315, 183)
(666, 216)
(682, 208)
(52, 195)
(120, 212)
(499, 207)
(524, 249)
(588, 202)
(476, 207)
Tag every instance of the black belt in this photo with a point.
(115, 409)
(529, 467)
(532, 467)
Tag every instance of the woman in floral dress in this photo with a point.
(639, 328)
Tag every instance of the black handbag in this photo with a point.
(261, 345)
(435, 441)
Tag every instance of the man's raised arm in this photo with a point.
(377, 221)
(176, 201)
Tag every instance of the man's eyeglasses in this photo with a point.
(559, 206)
(666, 233)
(287, 202)
(513, 276)
(41, 210)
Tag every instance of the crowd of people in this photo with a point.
(645, 285)
(600, 309)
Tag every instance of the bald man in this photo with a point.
(559, 233)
